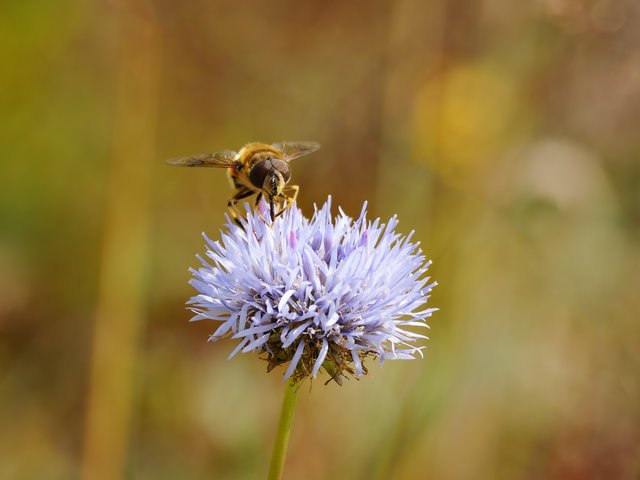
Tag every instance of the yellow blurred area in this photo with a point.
(462, 118)
(504, 133)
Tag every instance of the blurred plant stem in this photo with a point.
(284, 429)
(422, 51)
(120, 305)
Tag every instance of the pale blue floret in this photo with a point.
(322, 282)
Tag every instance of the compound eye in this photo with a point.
(259, 172)
(283, 168)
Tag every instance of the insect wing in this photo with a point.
(292, 150)
(224, 159)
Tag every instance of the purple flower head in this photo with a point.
(320, 293)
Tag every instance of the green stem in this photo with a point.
(284, 429)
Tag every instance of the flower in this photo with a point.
(319, 293)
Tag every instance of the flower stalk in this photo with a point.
(279, 453)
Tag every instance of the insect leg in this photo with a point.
(257, 207)
(231, 204)
(289, 200)
(296, 189)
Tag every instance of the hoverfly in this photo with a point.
(258, 168)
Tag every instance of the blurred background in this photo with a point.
(505, 133)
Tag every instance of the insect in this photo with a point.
(257, 169)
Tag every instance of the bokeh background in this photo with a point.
(507, 134)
